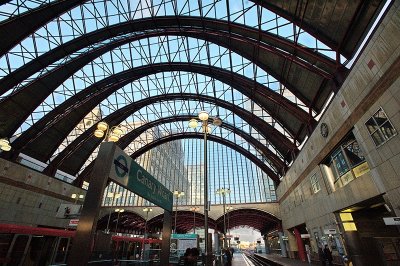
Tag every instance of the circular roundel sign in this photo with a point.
(324, 130)
(121, 166)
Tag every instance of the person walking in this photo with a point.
(228, 257)
(321, 256)
(328, 255)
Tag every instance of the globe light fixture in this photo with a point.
(203, 116)
(193, 123)
(112, 134)
(5, 144)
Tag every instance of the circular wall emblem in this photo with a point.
(324, 130)
(121, 166)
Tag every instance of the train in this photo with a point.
(27, 245)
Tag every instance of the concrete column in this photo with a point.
(267, 250)
(166, 236)
(282, 244)
(216, 248)
(82, 245)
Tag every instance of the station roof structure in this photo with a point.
(266, 68)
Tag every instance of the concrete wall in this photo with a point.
(30, 198)
(372, 83)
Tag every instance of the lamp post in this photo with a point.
(177, 194)
(194, 210)
(112, 134)
(112, 195)
(203, 116)
(228, 209)
(119, 212)
(146, 210)
(5, 144)
(223, 192)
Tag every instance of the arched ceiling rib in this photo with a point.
(43, 86)
(58, 123)
(273, 52)
(339, 24)
(184, 221)
(18, 28)
(28, 98)
(199, 135)
(73, 157)
(128, 138)
(309, 75)
(257, 219)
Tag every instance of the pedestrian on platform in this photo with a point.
(321, 256)
(227, 257)
(328, 255)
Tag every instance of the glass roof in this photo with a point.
(134, 50)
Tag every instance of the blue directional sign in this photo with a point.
(129, 174)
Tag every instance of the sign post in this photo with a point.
(85, 233)
(112, 163)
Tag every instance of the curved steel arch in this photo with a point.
(351, 20)
(136, 221)
(132, 135)
(197, 135)
(259, 220)
(182, 221)
(74, 155)
(242, 39)
(44, 86)
(18, 28)
(58, 123)
(128, 138)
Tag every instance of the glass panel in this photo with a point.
(354, 154)
(18, 249)
(61, 250)
(378, 138)
(380, 117)
(387, 130)
(340, 163)
(5, 242)
(371, 125)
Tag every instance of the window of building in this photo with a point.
(380, 128)
(347, 161)
(315, 186)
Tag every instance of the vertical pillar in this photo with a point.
(282, 244)
(216, 247)
(85, 232)
(267, 250)
(166, 237)
(300, 245)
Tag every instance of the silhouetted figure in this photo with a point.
(321, 256)
(190, 257)
(328, 255)
(228, 257)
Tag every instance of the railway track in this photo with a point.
(256, 261)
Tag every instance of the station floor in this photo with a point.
(285, 261)
(240, 259)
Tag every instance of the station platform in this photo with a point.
(277, 259)
(239, 259)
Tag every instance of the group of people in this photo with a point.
(325, 256)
